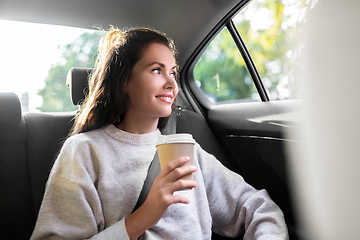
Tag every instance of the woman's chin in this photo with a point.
(166, 114)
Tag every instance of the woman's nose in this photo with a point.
(170, 82)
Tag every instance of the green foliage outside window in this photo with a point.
(268, 28)
(221, 72)
(80, 53)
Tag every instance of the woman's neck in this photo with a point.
(137, 125)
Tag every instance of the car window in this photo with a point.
(35, 59)
(268, 29)
(221, 72)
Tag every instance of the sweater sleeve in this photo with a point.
(236, 207)
(71, 208)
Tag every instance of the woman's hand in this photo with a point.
(160, 197)
(166, 183)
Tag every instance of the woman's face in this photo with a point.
(152, 86)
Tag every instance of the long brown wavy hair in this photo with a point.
(118, 52)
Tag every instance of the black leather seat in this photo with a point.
(29, 144)
(16, 205)
(46, 133)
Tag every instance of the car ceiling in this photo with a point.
(186, 21)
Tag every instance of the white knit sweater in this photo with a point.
(98, 176)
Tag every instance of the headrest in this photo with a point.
(10, 109)
(77, 81)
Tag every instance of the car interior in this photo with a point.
(247, 137)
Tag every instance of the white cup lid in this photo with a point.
(176, 138)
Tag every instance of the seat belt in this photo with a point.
(155, 168)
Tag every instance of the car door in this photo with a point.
(246, 108)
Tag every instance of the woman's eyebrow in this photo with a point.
(161, 65)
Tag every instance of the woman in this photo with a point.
(98, 175)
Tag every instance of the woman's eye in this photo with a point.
(156, 71)
(173, 74)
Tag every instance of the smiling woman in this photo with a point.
(112, 93)
(100, 170)
(151, 89)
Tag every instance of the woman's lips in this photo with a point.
(168, 98)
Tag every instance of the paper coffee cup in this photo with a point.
(174, 146)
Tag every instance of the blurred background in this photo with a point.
(326, 166)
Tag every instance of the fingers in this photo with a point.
(182, 184)
(173, 165)
(170, 180)
(167, 196)
(180, 172)
(178, 199)
(176, 170)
